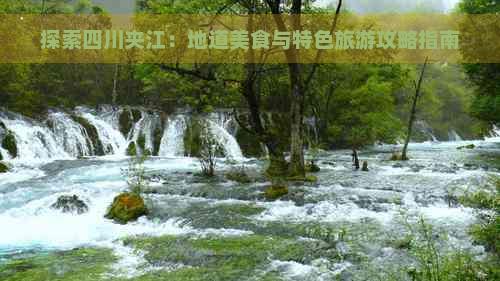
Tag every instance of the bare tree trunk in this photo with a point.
(418, 86)
(114, 94)
(355, 159)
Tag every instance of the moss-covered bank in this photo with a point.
(85, 264)
(9, 144)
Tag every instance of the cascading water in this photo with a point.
(35, 142)
(494, 135)
(112, 140)
(454, 136)
(71, 135)
(172, 141)
(149, 124)
(226, 140)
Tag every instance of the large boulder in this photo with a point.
(70, 204)
(9, 144)
(126, 207)
(3, 168)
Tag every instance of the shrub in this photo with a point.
(208, 152)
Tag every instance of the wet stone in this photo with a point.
(70, 204)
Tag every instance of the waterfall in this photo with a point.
(226, 140)
(34, 141)
(149, 124)
(172, 141)
(494, 135)
(5, 154)
(225, 120)
(71, 135)
(454, 136)
(422, 126)
(62, 137)
(113, 141)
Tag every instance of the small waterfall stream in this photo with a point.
(226, 140)
(172, 141)
(70, 134)
(454, 136)
(112, 140)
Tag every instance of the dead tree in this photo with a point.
(418, 86)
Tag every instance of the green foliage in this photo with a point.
(357, 106)
(486, 103)
(487, 231)
(131, 149)
(248, 145)
(435, 263)
(208, 152)
(141, 142)
(135, 174)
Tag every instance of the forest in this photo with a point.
(250, 171)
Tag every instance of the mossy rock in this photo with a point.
(127, 119)
(469, 146)
(192, 138)
(275, 191)
(92, 134)
(157, 135)
(311, 167)
(238, 176)
(9, 144)
(396, 156)
(3, 168)
(126, 207)
(365, 166)
(70, 204)
(132, 149)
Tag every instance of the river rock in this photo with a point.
(365, 166)
(3, 168)
(469, 146)
(312, 167)
(126, 207)
(9, 144)
(70, 204)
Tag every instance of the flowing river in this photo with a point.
(347, 226)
